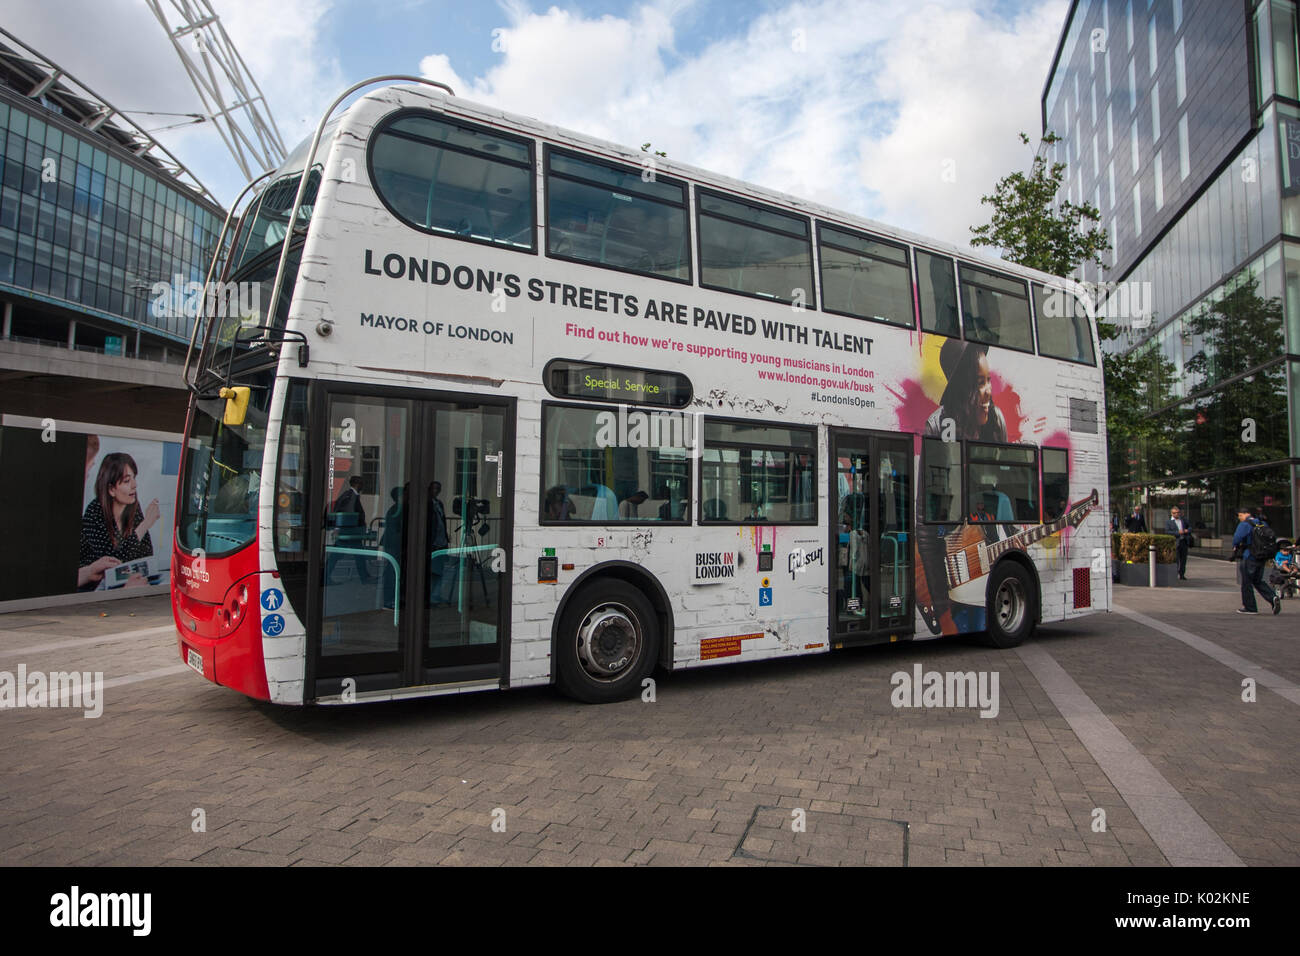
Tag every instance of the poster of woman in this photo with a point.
(126, 515)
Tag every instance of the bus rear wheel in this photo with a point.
(1012, 605)
(608, 642)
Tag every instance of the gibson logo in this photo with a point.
(800, 559)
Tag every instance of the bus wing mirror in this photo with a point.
(236, 404)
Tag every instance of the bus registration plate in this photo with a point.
(194, 659)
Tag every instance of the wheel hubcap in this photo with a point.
(1009, 605)
(609, 640)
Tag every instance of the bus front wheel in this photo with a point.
(1012, 605)
(608, 642)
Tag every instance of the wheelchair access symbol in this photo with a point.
(765, 593)
(273, 625)
(272, 598)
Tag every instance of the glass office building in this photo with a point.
(1180, 121)
(87, 227)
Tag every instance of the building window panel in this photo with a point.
(1133, 144)
(1155, 112)
(1284, 49)
(1137, 208)
(1184, 161)
(1132, 85)
(1180, 73)
(1152, 62)
(1159, 180)
(1263, 57)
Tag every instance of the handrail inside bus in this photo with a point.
(202, 318)
(311, 159)
(376, 553)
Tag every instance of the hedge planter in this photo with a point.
(1130, 556)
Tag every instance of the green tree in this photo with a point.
(1025, 227)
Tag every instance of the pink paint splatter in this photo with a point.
(914, 406)
(1007, 400)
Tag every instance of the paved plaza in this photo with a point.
(1137, 715)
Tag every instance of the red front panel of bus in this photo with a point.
(229, 639)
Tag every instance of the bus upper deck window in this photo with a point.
(995, 309)
(610, 216)
(865, 277)
(754, 250)
(455, 179)
(1064, 329)
(937, 291)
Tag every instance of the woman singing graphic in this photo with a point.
(114, 528)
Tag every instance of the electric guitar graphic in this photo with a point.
(970, 557)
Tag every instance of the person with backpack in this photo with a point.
(1254, 542)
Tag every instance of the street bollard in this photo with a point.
(1151, 561)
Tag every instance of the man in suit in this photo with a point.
(1135, 523)
(1177, 526)
(349, 517)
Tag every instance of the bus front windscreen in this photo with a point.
(267, 223)
(222, 473)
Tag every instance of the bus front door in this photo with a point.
(870, 527)
(413, 589)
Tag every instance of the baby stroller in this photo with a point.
(1284, 570)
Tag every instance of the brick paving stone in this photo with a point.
(630, 784)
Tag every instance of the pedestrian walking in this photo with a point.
(1254, 543)
(1177, 526)
(1135, 523)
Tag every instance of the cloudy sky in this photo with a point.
(904, 112)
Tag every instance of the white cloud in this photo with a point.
(965, 89)
(850, 103)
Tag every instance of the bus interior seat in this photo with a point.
(582, 505)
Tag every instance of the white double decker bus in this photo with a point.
(523, 407)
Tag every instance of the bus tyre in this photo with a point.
(1012, 605)
(608, 642)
